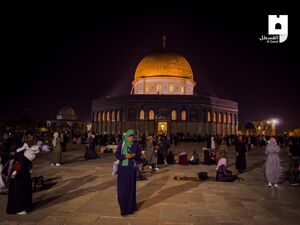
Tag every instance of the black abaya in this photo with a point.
(127, 181)
(20, 188)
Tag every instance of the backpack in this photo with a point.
(203, 175)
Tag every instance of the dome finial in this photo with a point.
(164, 41)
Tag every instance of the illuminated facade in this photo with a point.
(162, 100)
(66, 120)
(265, 127)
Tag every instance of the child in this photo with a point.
(30, 152)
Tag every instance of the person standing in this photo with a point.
(164, 148)
(241, 153)
(127, 152)
(3, 160)
(56, 155)
(249, 143)
(90, 152)
(149, 150)
(213, 144)
(64, 142)
(273, 163)
(151, 153)
(20, 184)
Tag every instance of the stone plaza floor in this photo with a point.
(84, 192)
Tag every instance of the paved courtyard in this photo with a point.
(83, 192)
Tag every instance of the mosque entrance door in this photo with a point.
(162, 127)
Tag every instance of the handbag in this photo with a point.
(116, 164)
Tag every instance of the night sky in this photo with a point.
(56, 56)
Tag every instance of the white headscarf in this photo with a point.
(221, 162)
(55, 136)
(213, 144)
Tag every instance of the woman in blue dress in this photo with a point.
(127, 152)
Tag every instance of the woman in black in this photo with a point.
(20, 187)
(241, 153)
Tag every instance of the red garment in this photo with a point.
(183, 159)
(18, 167)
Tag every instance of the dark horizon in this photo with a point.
(62, 57)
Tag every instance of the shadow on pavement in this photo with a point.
(148, 190)
(63, 193)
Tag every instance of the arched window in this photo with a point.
(208, 116)
(183, 115)
(229, 118)
(98, 116)
(174, 115)
(278, 26)
(113, 119)
(151, 115)
(182, 89)
(146, 88)
(158, 88)
(224, 118)
(118, 115)
(142, 115)
(107, 116)
(214, 117)
(103, 116)
(220, 118)
(171, 87)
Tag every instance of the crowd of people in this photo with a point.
(135, 152)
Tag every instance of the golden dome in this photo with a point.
(163, 63)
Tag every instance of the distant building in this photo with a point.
(295, 132)
(66, 120)
(249, 129)
(162, 101)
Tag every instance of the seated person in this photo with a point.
(170, 158)
(183, 158)
(213, 157)
(223, 174)
(195, 159)
(46, 147)
(209, 156)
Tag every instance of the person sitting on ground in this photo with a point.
(170, 158)
(183, 158)
(223, 174)
(195, 159)
(213, 157)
